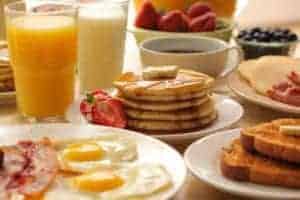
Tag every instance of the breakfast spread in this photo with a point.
(101, 168)
(264, 154)
(274, 76)
(198, 17)
(161, 101)
(260, 41)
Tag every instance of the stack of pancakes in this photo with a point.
(167, 105)
(6, 73)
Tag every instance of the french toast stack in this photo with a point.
(167, 100)
(266, 154)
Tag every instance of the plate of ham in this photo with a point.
(270, 81)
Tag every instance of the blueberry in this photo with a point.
(264, 37)
(286, 31)
(292, 37)
(248, 38)
(256, 29)
(256, 35)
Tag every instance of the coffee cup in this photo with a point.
(203, 54)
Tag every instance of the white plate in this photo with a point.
(203, 159)
(150, 150)
(229, 112)
(244, 90)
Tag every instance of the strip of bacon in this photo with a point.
(28, 169)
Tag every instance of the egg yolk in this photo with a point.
(99, 181)
(83, 152)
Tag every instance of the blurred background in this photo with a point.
(273, 12)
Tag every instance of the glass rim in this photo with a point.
(10, 8)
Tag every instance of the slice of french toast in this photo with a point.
(241, 165)
(268, 140)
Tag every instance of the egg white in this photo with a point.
(140, 182)
(118, 151)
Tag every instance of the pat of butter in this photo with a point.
(290, 130)
(160, 72)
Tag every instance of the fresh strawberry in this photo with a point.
(204, 23)
(198, 9)
(147, 16)
(174, 21)
(99, 108)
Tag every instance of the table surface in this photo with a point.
(193, 189)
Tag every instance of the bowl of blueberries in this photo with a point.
(259, 41)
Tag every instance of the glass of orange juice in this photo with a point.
(42, 44)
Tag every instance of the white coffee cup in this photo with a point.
(203, 54)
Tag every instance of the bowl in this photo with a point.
(254, 50)
(223, 33)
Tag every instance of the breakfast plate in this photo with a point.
(149, 150)
(229, 112)
(205, 166)
(244, 90)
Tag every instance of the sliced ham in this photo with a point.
(288, 91)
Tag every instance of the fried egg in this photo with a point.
(104, 152)
(135, 182)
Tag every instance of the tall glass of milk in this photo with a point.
(102, 34)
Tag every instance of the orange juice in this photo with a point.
(43, 52)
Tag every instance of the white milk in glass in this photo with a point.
(102, 32)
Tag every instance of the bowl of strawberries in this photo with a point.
(197, 20)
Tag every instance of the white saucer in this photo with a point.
(150, 150)
(229, 112)
(203, 160)
(244, 90)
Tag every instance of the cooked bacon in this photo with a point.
(41, 171)
(29, 169)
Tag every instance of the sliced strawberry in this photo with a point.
(147, 16)
(109, 113)
(100, 108)
(204, 23)
(174, 21)
(198, 9)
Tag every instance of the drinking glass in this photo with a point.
(42, 42)
(102, 34)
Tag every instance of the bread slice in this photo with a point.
(267, 140)
(240, 165)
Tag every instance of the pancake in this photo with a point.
(186, 81)
(186, 114)
(182, 97)
(5, 70)
(163, 106)
(6, 76)
(153, 125)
